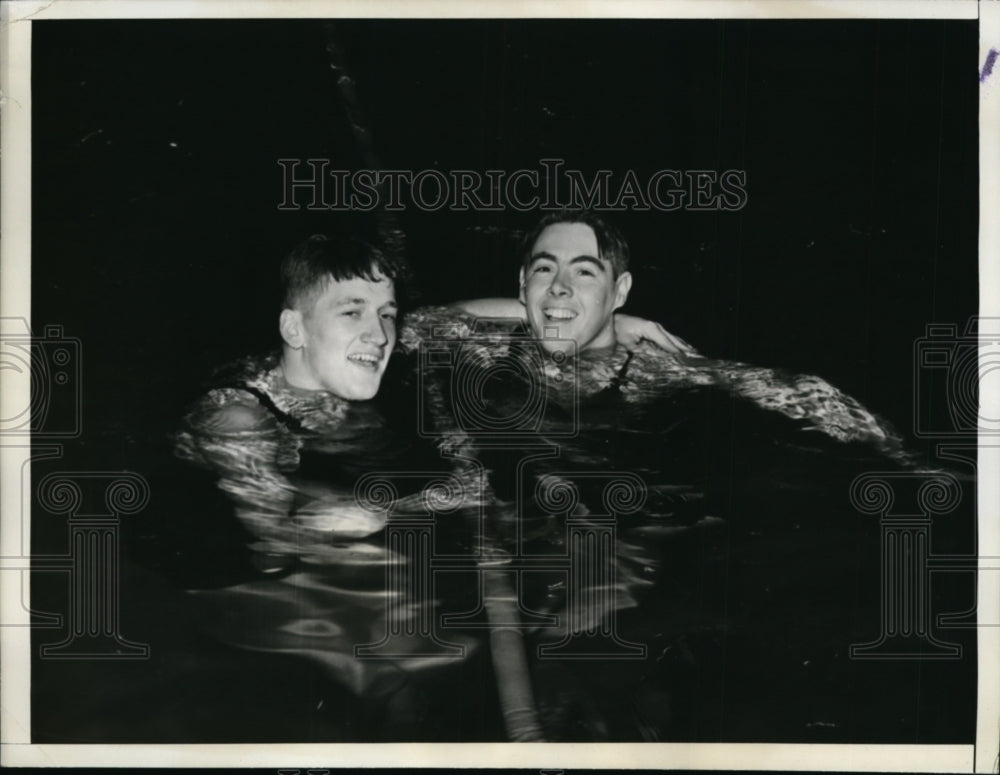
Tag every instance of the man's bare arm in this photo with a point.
(629, 330)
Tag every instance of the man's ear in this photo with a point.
(290, 326)
(622, 286)
(520, 282)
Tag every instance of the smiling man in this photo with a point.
(286, 438)
(574, 275)
(573, 278)
(338, 329)
(338, 325)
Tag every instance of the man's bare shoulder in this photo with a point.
(450, 323)
(230, 411)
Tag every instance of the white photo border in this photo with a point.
(15, 302)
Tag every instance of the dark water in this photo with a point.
(738, 576)
(152, 196)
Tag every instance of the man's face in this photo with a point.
(344, 338)
(569, 292)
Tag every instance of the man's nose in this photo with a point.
(560, 286)
(375, 332)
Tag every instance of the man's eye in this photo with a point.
(588, 272)
(541, 268)
(352, 313)
(389, 316)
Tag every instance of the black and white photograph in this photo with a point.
(503, 376)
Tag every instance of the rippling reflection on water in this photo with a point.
(726, 481)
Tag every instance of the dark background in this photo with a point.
(859, 140)
(156, 184)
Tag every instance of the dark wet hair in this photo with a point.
(310, 267)
(610, 243)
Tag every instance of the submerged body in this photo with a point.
(646, 374)
(735, 470)
(289, 460)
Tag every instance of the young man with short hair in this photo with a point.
(338, 322)
(287, 437)
(574, 275)
(338, 329)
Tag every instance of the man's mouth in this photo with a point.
(366, 360)
(558, 314)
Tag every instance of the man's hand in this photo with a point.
(631, 330)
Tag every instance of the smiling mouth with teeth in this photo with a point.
(559, 314)
(365, 359)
